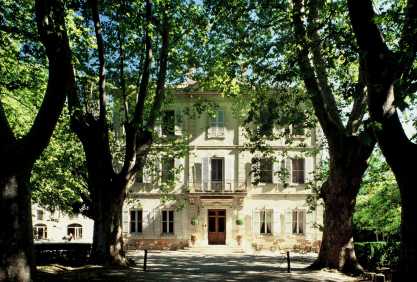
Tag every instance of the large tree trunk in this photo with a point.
(399, 153)
(348, 163)
(107, 192)
(16, 242)
(108, 236)
(383, 68)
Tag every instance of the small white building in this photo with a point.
(216, 202)
(57, 226)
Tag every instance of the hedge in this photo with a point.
(378, 254)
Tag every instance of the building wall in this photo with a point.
(57, 225)
(243, 200)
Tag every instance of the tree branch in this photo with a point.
(330, 128)
(163, 64)
(408, 42)
(359, 104)
(19, 32)
(122, 76)
(6, 133)
(134, 127)
(319, 65)
(102, 64)
(137, 120)
(50, 19)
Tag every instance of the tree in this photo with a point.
(270, 47)
(390, 76)
(131, 32)
(20, 153)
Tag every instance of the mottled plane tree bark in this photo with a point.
(390, 76)
(349, 148)
(18, 155)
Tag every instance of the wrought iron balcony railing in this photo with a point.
(219, 186)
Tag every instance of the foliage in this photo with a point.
(378, 254)
(378, 207)
(59, 178)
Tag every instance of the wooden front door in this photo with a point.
(217, 227)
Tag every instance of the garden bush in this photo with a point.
(378, 254)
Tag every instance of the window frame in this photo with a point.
(40, 214)
(78, 231)
(167, 127)
(138, 221)
(167, 222)
(298, 175)
(167, 175)
(298, 224)
(217, 124)
(263, 220)
(265, 172)
(37, 227)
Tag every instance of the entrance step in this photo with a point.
(215, 250)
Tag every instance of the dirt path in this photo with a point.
(189, 266)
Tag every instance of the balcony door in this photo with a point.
(217, 227)
(217, 174)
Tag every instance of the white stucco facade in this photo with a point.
(54, 226)
(217, 201)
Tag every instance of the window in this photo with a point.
(75, 231)
(298, 171)
(298, 221)
(298, 129)
(139, 176)
(40, 232)
(266, 123)
(136, 221)
(266, 221)
(168, 222)
(167, 174)
(168, 123)
(265, 170)
(39, 214)
(217, 124)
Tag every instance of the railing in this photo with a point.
(219, 186)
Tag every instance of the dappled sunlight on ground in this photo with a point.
(189, 266)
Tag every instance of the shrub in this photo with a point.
(378, 254)
(239, 221)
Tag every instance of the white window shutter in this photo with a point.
(248, 175)
(180, 167)
(197, 176)
(309, 228)
(145, 220)
(275, 170)
(288, 221)
(157, 221)
(288, 166)
(179, 123)
(276, 222)
(229, 171)
(256, 222)
(125, 221)
(205, 174)
(220, 123)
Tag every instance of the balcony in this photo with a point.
(222, 186)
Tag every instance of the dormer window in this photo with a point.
(216, 125)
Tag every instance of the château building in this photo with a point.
(216, 199)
